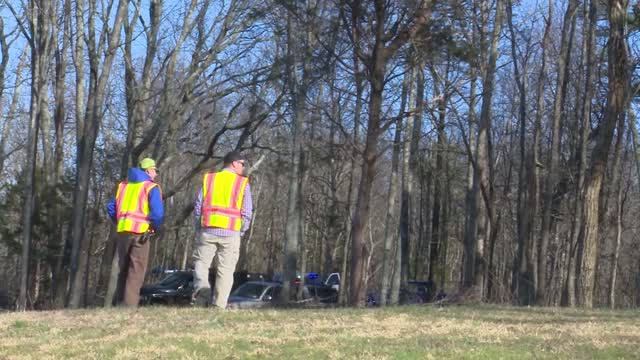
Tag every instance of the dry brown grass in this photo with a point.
(403, 332)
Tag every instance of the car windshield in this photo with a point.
(174, 279)
(333, 280)
(249, 290)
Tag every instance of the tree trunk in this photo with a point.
(470, 220)
(6, 126)
(634, 137)
(407, 180)
(11, 114)
(610, 223)
(588, 50)
(439, 214)
(88, 132)
(56, 239)
(617, 73)
(359, 251)
(520, 285)
(299, 87)
(552, 176)
(390, 228)
(376, 63)
(30, 183)
(620, 202)
(39, 41)
(482, 173)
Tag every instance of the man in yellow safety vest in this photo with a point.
(223, 212)
(138, 212)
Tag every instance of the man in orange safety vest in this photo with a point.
(138, 212)
(223, 212)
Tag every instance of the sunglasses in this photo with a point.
(242, 163)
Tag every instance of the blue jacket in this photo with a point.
(156, 209)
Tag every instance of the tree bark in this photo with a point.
(376, 63)
(482, 172)
(88, 132)
(406, 202)
(13, 108)
(39, 39)
(619, 220)
(552, 176)
(57, 238)
(470, 219)
(440, 198)
(390, 228)
(520, 285)
(617, 73)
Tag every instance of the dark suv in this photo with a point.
(177, 288)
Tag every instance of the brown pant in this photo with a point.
(133, 255)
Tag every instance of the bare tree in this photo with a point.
(617, 73)
(408, 178)
(89, 119)
(440, 213)
(521, 283)
(57, 239)
(11, 114)
(390, 228)
(554, 154)
(588, 59)
(299, 86)
(375, 61)
(37, 31)
(482, 172)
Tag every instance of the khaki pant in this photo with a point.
(133, 255)
(226, 251)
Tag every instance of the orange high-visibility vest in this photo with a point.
(222, 194)
(132, 206)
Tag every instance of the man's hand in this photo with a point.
(145, 237)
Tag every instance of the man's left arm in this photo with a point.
(156, 208)
(111, 210)
(247, 210)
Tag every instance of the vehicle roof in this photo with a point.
(266, 283)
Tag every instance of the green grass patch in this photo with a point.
(410, 332)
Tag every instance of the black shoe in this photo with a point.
(201, 297)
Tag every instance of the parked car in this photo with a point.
(418, 292)
(333, 281)
(259, 294)
(325, 291)
(312, 278)
(177, 288)
(414, 292)
(254, 294)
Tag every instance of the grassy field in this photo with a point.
(456, 332)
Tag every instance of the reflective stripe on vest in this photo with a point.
(132, 206)
(222, 194)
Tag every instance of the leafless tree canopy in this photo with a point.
(487, 147)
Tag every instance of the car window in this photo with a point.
(275, 292)
(333, 279)
(175, 279)
(250, 290)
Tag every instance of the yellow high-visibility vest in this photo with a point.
(132, 206)
(222, 194)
